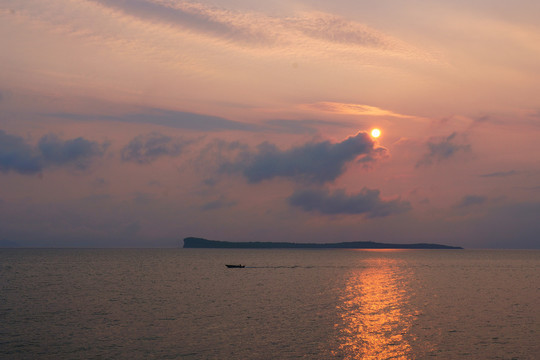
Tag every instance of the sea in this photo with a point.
(285, 304)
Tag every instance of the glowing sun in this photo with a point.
(375, 133)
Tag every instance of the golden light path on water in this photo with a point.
(375, 322)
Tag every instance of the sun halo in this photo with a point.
(375, 133)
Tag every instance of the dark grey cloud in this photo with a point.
(191, 19)
(141, 198)
(210, 181)
(218, 204)
(95, 198)
(168, 118)
(18, 156)
(100, 182)
(367, 202)
(499, 174)
(144, 149)
(316, 162)
(443, 149)
(77, 152)
(470, 200)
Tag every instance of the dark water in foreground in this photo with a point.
(286, 304)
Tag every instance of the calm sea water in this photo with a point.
(286, 304)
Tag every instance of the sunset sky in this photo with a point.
(141, 122)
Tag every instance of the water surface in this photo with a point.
(286, 304)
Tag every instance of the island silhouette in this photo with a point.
(200, 243)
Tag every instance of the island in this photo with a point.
(199, 243)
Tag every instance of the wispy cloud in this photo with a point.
(470, 200)
(255, 28)
(192, 17)
(443, 149)
(300, 126)
(499, 174)
(145, 149)
(169, 118)
(337, 29)
(353, 109)
(202, 122)
(311, 31)
(367, 202)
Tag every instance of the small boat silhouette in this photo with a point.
(235, 266)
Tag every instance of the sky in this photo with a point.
(139, 123)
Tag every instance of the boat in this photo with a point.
(235, 266)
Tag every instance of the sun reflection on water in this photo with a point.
(374, 322)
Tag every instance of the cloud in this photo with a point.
(220, 153)
(168, 118)
(99, 182)
(193, 17)
(251, 28)
(316, 32)
(316, 162)
(470, 200)
(218, 204)
(353, 109)
(339, 30)
(203, 122)
(367, 202)
(442, 150)
(300, 126)
(77, 152)
(144, 149)
(499, 174)
(16, 155)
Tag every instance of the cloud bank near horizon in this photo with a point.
(367, 202)
(18, 156)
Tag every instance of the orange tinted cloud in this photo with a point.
(354, 109)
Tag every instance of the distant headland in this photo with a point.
(199, 243)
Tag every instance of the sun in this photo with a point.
(375, 133)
